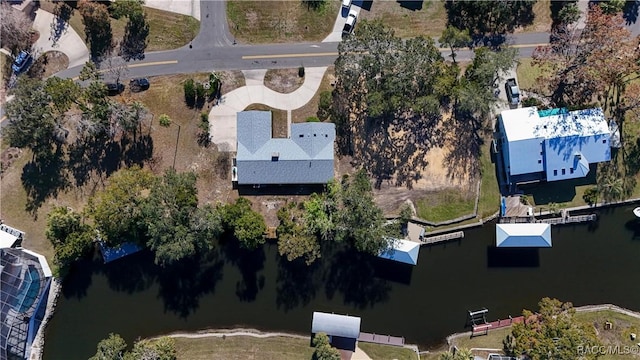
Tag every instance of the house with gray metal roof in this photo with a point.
(304, 158)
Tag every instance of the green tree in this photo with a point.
(249, 229)
(359, 219)
(136, 34)
(89, 71)
(315, 4)
(168, 212)
(385, 86)
(157, 349)
(31, 121)
(460, 354)
(71, 238)
(612, 6)
(189, 92)
(454, 38)
(247, 225)
(294, 239)
(125, 8)
(324, 107)
(569, 13)
(111, 348)
(323, 349)
(489, 17)
(97, 27)
(118, 210)
(62, 92)
(553, 333)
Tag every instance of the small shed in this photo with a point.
(523, 235)
(9, 237)
(405, 251)
(343, 330)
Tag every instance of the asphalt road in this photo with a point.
(207, 54)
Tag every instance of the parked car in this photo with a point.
(350, 23)
(513, 92)
(346, 4)
(114, 88)
(22, 62)
(138, 84)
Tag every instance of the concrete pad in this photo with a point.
(254, 77)
(360, 355)
(184, 7)
(223, 117)
(69, 42)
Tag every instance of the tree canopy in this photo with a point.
(169, 210)
(247, 225)
(31, 120)
(489, 17)
(118, 210)
(70, 236)
(15, 28)
(385, 85)
(114, 348)
(553, 333)
(97, 27)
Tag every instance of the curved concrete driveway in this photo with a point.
(69, 43)
(223, 117)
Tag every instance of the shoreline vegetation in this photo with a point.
(249, 336)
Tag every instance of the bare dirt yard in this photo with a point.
(448, 164)
(283, 80)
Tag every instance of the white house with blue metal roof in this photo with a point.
(552, 145)
(304, 158)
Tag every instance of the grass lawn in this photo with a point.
(167, 30)
(279, 21)
(445, 205)
(429, 18)
(278, 119)
(243, 347)
(493, 340)
(311, 108)
(489, 201)
(623, 326)
(386, 352)
(542, 17)
(527, 74)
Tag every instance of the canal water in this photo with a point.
(588, 264)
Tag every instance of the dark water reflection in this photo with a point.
(587, 264)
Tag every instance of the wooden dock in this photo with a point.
(483, 329)
(381, 339)
(569, 219)
(443, 237)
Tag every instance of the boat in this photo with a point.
(636, 212)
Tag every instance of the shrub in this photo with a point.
(324, 107)
(164, 120)
(530, 101)
(201, 94)
(301, 71)
(313, 119)
(590, 195)
(190, 92)
(524, 199)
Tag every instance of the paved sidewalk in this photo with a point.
(185, 7)
(69, 43)
(223, 117)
